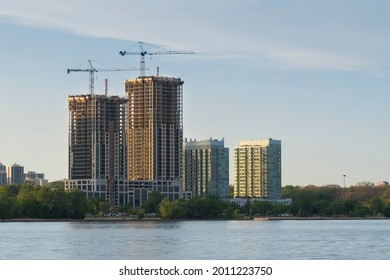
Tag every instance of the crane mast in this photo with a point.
(142, 53)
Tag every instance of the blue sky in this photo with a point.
(314, 74)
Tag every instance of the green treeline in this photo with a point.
(364, 199)
(52, 202)
(209, 207)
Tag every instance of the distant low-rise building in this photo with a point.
(243, 201)
(3, 175)
(37, 178)
(15, 174)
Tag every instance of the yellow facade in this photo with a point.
(257, 169)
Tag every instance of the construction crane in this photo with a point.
(142, 54)
(92, 71)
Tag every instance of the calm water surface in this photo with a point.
(286, 240)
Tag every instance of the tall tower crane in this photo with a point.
(142, 54)
(92, 71)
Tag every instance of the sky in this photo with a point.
(313, 74)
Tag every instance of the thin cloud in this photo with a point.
(208, 39)
(324, 60)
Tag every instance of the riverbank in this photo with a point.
(155, 219)
(316, 218)
(89, 219)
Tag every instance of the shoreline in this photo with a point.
(157, 219)
(105, 219)
(317, 218)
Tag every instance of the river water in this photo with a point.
(203, 240)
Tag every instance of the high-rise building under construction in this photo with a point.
(97, 147)
(121, 149)
(155, 133)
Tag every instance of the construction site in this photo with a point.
(123, 148)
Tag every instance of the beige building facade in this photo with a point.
(257, 169)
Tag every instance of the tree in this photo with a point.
(152, 205)
(13, 190)
(173, 210)
(56, 185)
(304, 201)
(104, 207)
(294, 208)
(377, 206)
(320, 206)
(140, 213)
(230, 210)
(350, 207)
(44, 199)
(97, 206)
(335, 208)
(61, 204)
(362, 211)
(166, 209)
(246, 209)
(290, 191)
(209, 207)
(386, 211)
(77, 203)
(179, 209)
(386, 195)
(278, 209)
(365, 184)
(7, 204)
(27, 202)
(261, 207)
(126, 209)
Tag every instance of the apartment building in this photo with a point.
(206, 168)
(257, 169)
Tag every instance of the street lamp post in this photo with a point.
(344, 179)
